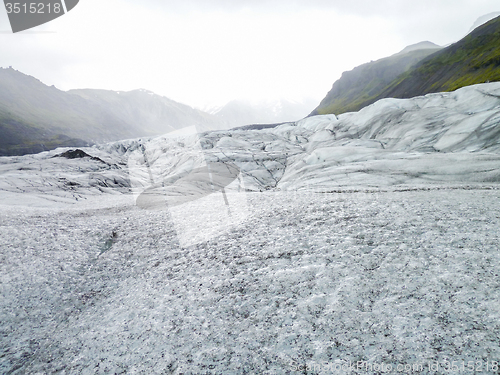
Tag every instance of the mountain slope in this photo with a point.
(35, 117)
(147, 111)
(483, 19)
(361, 86)
(474, 59)
(18, 137)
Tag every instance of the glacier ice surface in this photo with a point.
(371, 236)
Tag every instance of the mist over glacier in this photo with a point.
(369, 237)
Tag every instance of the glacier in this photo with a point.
(359, 243)
(444, 138)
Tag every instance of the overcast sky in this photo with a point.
(203, 52)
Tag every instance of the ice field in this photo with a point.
(360, 244)
(388, 278)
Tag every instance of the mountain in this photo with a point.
(361, 86)
(35, 117)
(244, 112)
(146, 111)
(483, 19)
(472, 60)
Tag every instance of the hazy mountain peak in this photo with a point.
(17, 78)
(241, 112)
(144, 91)
(483, 19)
(419, 46)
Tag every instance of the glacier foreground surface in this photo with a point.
(354, 244)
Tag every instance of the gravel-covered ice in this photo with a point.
(400, 277)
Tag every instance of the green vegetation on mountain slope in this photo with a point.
(362, 85)
(472, 60)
